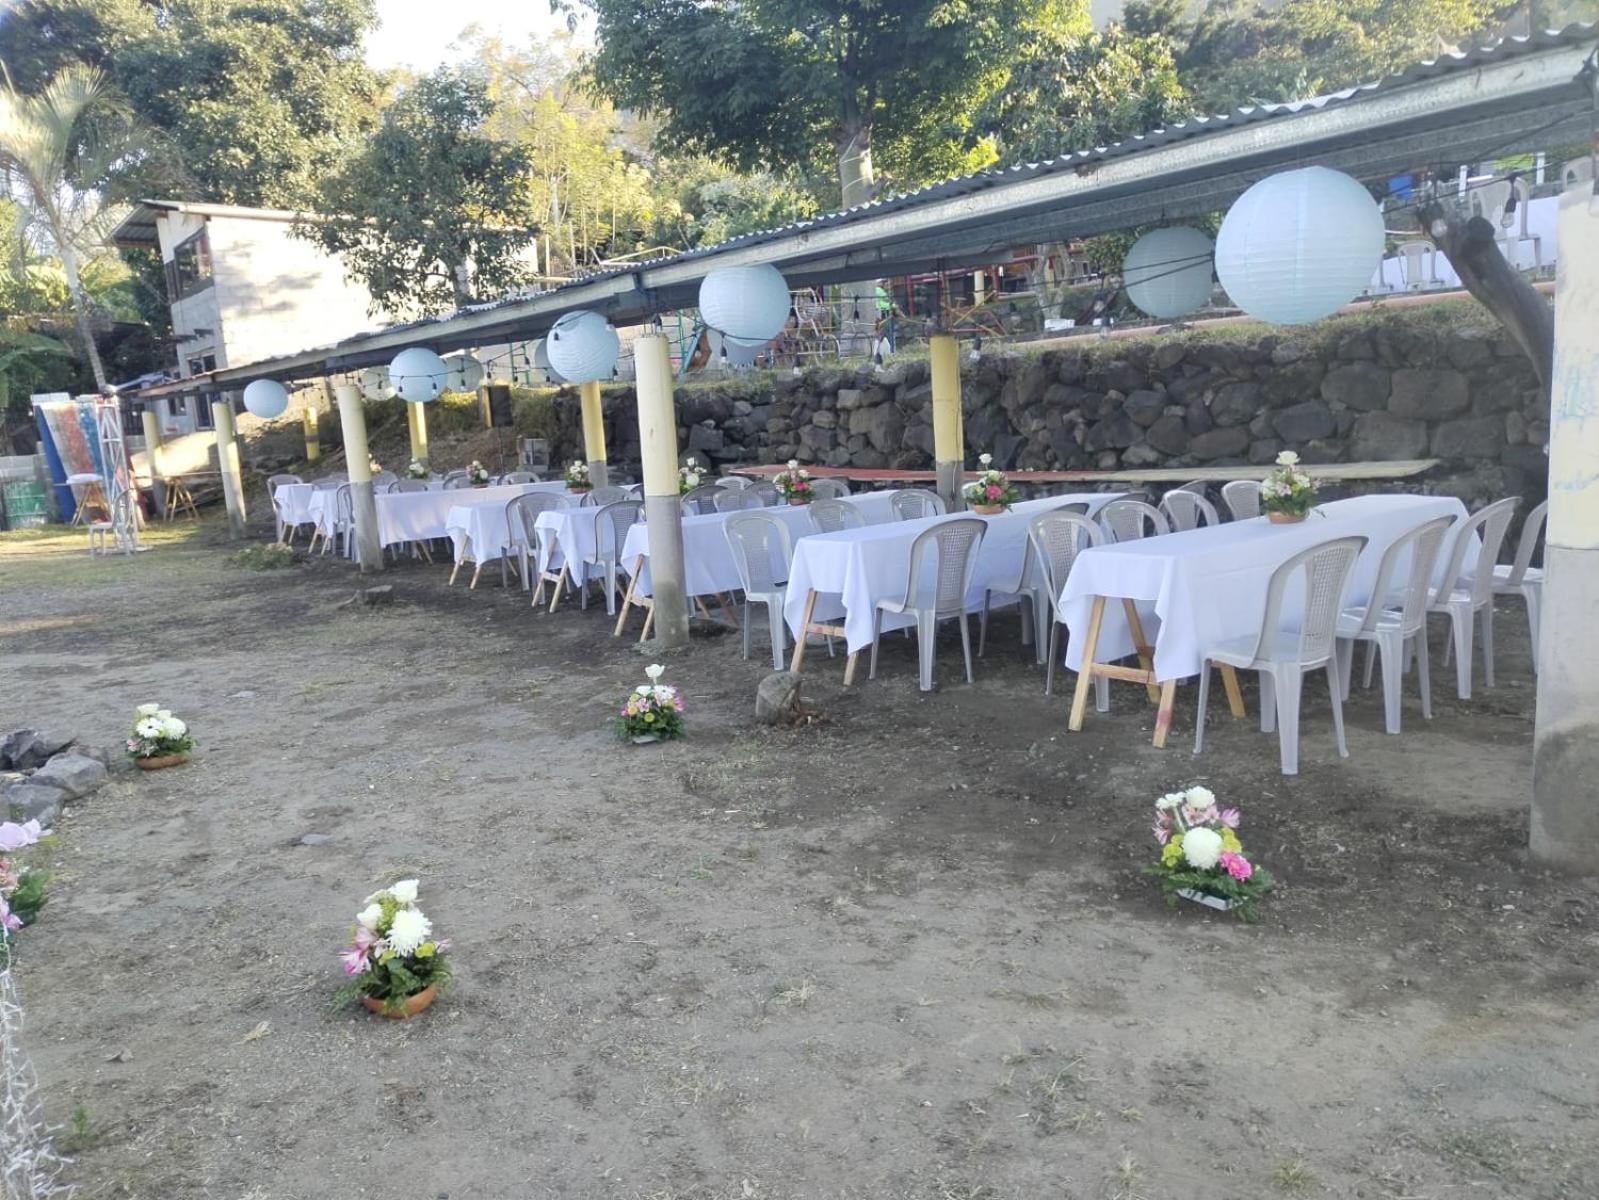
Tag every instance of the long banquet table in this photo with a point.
(421, 516)
(480, 530)
(1200, 586)
(845, 574)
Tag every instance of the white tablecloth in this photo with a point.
(480, 527)
(855, 568)
(418, 516)
(293, 503)
(1202, 586)
(708, 566)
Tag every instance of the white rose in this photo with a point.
(793, 464)
(369, 917)
(1287, 458)
(654, 671)
(1169, 800)
(147, 710)
(408, 931)
(985, 459)
(404, 891)
(1202, 847)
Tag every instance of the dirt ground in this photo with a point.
(906, 951)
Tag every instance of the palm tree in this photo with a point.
(47, 147)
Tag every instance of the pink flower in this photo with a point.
(354, 961)
(800, 485)
(1235, 864)
(992, 492)
(15, 837)
(1229, 818)
(1163, 834)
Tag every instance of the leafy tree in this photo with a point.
(700, 202)
(432, 212)
(260, 95)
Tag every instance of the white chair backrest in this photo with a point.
(1531, 530)
(1186, 509)
(611, 524)
(1057, 537)
(1327, 569)
(830, 516)
(522, 512)
(760, 543)
(1575, 171)
(520, 477)
(1242, 497)
(1418, 549)
(326, 485)
(1491, 521)
(701, 500)
(456, 480)
(734, 481)
(736, 499)
(383, 478)
(768, 494)
(601, 496)
(829, 488)
(955, 542)
(409, 485)
(343, 507)
(1417, 263)
(911, 503)
(1124, 520)
(275, 481)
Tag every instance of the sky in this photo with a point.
(421, 34)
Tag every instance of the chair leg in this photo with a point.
(1485, 616)
(1051, 654)
(1461, 625)
(926, 647)
(1268, 702)
(982, 628)
(774, 621)
(1338, 704)
(966, 645)
(1532, 593)
(1346, 662)
(1423, 670)
(1288, 686)
(1393, 661)
(877, 636)
(1204, 704)
(744, 613)
(1101, 694)
(1371, 658)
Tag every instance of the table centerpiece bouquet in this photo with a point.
(1288, 493)
(653, 712)
(689, 476)
(158, 739)
(417, 469)
(990, 493)
(1201, 858)
(793, 483)
(21, 888)
(477, 474)
(577, 477)
(394, 966)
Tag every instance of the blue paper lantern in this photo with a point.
(266, 398)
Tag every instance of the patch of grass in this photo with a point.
(792, 995)
(272, 557)
(1294, 1176)
(1491, 1149)
(83, 1134)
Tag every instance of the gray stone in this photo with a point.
(75, 774)
(892, 375)
(1144, 407)
(705, 439)
(1118, 376)
(1515, 428)
(742, 408)
(1116, 431)
(777, 698)
(27, 748)
(33, 802)
(374, 597)
(1381, 436)
(1219, 443)
(1427, 395)
(883, 426)
(1141, 455)
(1235, 404)
(1470, 437)
(316, 839)
(1468, 348)
(1530, 460)
(849, 399)
(1264, 451)
(1168, 435)
(1304, 422)
(1169, 354)
(827, 419)
(1196, 418)
(1361, 385)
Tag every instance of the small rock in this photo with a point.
(30, 748)
(777, 698)
(246, 695)
(75, 774)
(316, 839)
(374, 596)
(33, 802)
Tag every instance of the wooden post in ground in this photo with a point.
(657, 422)
(949, 455)
(358, 463)
(152, 454)
(313, 442)
(228, 464)
(594, 432)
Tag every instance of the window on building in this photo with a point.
(202, 410)
(201, 363)
(189, 269)
(174, 406)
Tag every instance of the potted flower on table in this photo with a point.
(1201, 858)
(1288, 493)
(990, 493)
(395, 965)
(417, 469)
(653, 712)
(158, 739)
(794, 483)
(477, 474)
(689, 476)
(577, 477)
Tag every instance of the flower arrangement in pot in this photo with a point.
(21, 888)
(395, 966)
(1288, 493)
(793, 483)
(1201, 858)
(653, 712)
(689, 476)
(577, 477)
(990, 493)
(158, 739)
(417, 469)
(477, 474)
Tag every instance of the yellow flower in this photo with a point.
(425, 950)
(1172, 853)
(1229, 841)
(649, 716)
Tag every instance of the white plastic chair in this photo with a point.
(456, 479)
(1125, 520)
(768, 493)
(1027, 591)
(611, 524)
(1468, 593)
(340, 518)
(1057, 538)
(829, 488)
(759, 543)
(1283, 656)
(1186, 509)
(520, 477)
(521, 516)
(1418, 265)
(1394, 631)
(955, 543)
(910, 504)
(601, 496)
(830, 516)
(734, 481)
(1242, 498)
(401, 486)
(273, 483)
(1521, 577)
(736, 499)
(701, 500)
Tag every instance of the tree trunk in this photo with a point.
(858, 315)
(80, 309)
(1503, 290)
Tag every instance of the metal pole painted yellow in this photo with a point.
(594, 432)
(416, 422)
(657, 423)
(153, 456)
(313, 442)
(358, 464)
(228, 464)
(948, 453)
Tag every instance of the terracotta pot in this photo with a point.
(582, 489)
(413, 1004)
(1282, 518)
(160, 763)
(987, 510)
(798, 500)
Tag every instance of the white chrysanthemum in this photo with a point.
(1170, 800)
(691, 462)
(1199, 797)
(1287, 458)
(1202, 847)
(173, 727)
(410, 929)
(163, 714)
(369, 917)
(404, 891)
(147, 710)
(654, 671)
(148, 728)
(985, 459)
(793, 464)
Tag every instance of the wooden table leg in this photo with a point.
(1085, 671)
(1235, 698)
(798, 659)
(627, 596)
(1168, 694)
(466, 547)
(1146, 657)
(849, 668)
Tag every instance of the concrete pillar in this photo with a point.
(949, 454)
(358, 460)
(416, 421)
(313, 442)
(153, 455)
(228, 464)
(1565, 772)
(657, 423)
(594, 432)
